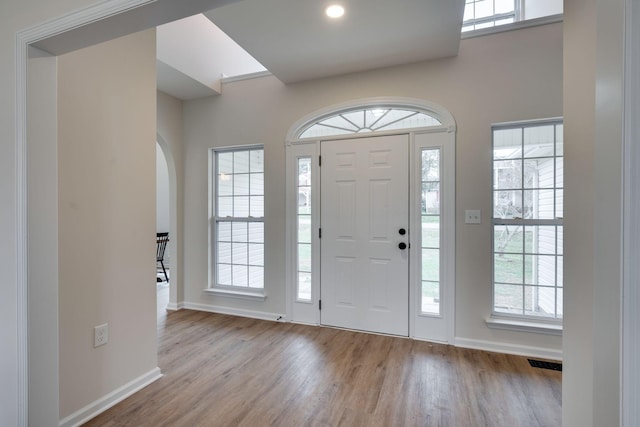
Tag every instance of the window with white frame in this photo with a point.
(430, 222)
(481, 14)
(305, 248)
(238, 219)
(527, 219)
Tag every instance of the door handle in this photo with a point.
(402, 245)
(402, 231)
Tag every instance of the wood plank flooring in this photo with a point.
(229, 371)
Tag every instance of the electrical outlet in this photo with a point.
(472, 216)
(100, 335)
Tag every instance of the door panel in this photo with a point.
(364, 274)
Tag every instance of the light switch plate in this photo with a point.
(472, 216)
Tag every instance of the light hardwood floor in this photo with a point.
(229, 371)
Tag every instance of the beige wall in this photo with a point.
(106, 196)
(503, 77)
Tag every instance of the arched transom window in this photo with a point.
(371, 119)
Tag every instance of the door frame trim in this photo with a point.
(308, 312)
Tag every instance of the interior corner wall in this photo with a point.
(170, 136)
(510, 76)
(593, 102)
(106, 164)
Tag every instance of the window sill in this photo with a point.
(524, 326)
(232, 293)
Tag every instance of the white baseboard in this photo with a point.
(502, 347)
(172, 306)
(235, 311)
(99, 406)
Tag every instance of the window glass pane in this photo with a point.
(225, 206)
(225, 185)
(559, 140)
(241, 161)
(256, 254)
(507, 238)
(431, 264)
(539, 141)
(304, 228)
(484, 8)
(256, 277)
(257, 206)
(431, 198)
(304, 200)
(559, 301)
(240, 275)
(256, 232)
(560, 238)
(430, 165)
(530, 276)
(559, 203)
(256, 186)
(545, 270)
(430, 302)
(430, 231)
(507, 174)
(239, 232)
(559, 271)
(508, 268)
(507, 204)
(559, 172)
(225, 163)
(304, 257)
(507, 143)
(241, 185)
(239, 253)
(539, 204)
(224, 252)
(241, 206)
(504, 6)
(356, 117)
(540, 301)
(224, 274)
(304, 286)
(256, 161)
(508, 298)
(224, 231)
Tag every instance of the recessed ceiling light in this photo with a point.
(334, 11)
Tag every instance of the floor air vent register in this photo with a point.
(554, 366)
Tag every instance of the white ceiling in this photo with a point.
(295, 41)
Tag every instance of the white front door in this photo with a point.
(365, 219)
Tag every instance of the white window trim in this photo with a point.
(507, 321)
(213, 288)
(518, 25)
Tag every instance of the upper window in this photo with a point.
(479, 14)
(238, 222)
(528, 193)
(369, 120)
